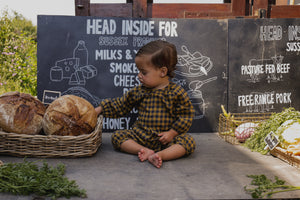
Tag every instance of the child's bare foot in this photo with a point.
(156, 160)
(144, 154)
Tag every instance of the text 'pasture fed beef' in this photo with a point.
(21, 113)
(69, 115)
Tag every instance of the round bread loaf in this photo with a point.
(69, 115)
(21, 113)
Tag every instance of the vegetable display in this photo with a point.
(256, 141)
(28, 178)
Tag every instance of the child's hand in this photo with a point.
(98, 110)
(166, 137)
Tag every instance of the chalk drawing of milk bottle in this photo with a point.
(81, 53)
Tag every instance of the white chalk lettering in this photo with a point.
(168, 29)
(108, 54)
(252, 69)
(270, 68)
(294, 33)
(120, 123)
(137, 27)
(245, 100)
(263, 99)
(293, 46)
(267, 98)
(101, 27)
(270, 33)
(123, 68)
(283, 68)
(50, 97)
(126, 80)
(113, 41)
(141, 41)
(283, 98)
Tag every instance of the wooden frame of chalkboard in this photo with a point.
(228, 9)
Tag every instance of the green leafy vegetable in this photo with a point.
(256, 141)
(266, 187)
(27, 177)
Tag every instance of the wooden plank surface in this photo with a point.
(180, 10)
(148, 9)
(111, 10)
(285, 11)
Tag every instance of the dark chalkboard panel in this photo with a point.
(264, 65)
(93, 58)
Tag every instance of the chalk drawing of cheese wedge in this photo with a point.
(63, 69)
(77, 78)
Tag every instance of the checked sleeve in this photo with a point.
(120, 106)
(184, 111)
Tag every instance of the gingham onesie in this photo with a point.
(159, 111)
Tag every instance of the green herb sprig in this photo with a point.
(266, 187)
(28, 178)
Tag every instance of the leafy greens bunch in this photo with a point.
(266, 187)
(28, 178)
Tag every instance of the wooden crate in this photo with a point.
(286, 157)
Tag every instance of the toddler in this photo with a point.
(165, 112)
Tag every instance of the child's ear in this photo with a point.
(163, 71)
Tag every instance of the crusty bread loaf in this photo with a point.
(69, 115)
(21, 113)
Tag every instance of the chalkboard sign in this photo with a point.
(264, 65)
(93, 57)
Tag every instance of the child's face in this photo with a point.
(149, 75)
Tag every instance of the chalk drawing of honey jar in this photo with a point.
(196, 97)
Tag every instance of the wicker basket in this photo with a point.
(51, 145)
(227, 125)
(287, 157)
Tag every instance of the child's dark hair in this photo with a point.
(163, 54)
